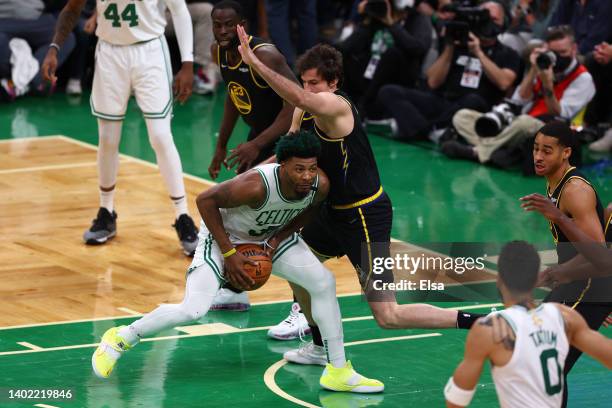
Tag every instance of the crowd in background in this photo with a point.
(478, 78)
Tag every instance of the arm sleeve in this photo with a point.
(577, 95)
(183, 28)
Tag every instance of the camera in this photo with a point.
(492, 123)
(467, 18)
(546, 60)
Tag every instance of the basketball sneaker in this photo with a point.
(103, 228)
(294, 326)
(187, 233)
(346, 379)
(108, 352)
(227, 299)
(308, 353)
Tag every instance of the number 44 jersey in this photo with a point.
(534, 375)
(126, 22)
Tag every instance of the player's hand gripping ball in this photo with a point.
(262, 271)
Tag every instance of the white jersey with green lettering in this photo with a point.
(245, 224)
(534, 375)
(125, 22)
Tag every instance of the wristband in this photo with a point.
(54, 45)
(229, 253)
(456, 395)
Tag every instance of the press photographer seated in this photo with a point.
(556, 86)
(473, 71)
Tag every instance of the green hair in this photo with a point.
(303, 144)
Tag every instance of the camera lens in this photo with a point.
(543, 61)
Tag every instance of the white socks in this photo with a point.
(180, 206)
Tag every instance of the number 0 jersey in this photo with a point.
(245, 224)
(126, 22)
(534, 375)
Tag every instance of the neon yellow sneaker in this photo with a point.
(348, 380)
(108, 352)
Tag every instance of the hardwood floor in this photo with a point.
(49, 196)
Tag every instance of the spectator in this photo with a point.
(476, 77)
(207, 73)
(25, 19)
(600, 66)
(529, 21)
(590, 20)
(386, 48)
(280, 14)
(561, 90)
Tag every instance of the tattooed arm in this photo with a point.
(491, 338)
(66, 22)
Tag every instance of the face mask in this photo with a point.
(562, 63)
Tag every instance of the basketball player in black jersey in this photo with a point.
(598, 262)
(574, 195)
(248, 96)
(357, 219)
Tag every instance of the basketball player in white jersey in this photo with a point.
(261, 206)
(132, 55)
(526, 344)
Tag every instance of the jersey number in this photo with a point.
(128, 14)
(544, 357)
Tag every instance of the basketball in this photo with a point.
(262, 271)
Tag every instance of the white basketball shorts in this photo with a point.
(143, 67)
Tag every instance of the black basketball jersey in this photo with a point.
(348, 162)
(587, 289)
(257, 103)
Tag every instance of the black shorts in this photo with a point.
(362, 233)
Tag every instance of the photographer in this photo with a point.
(387, 47)
(474, 71)
(556, 85)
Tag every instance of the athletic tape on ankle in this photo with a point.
(456, 395)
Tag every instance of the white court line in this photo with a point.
(151, 165)
(50, 167)
(45, 406)
(196, 333)
(269, 375)
(29, 345)
(30, 139)
(137, 160)
(129, 311)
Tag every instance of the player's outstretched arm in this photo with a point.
(321, 104)
(247, 189)
(460, 388)
(66, 21)
(589, 341)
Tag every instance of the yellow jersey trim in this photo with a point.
(266, 86)
(239, 62)
(360, 202)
